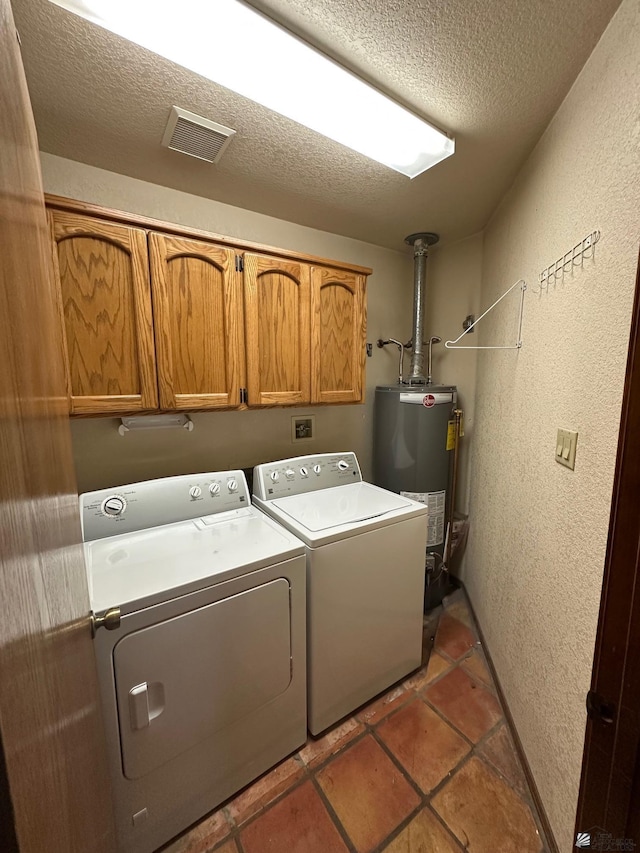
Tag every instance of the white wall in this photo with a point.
(538, 535)
(235, 439)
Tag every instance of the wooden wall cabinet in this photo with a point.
(105, 300)
(277, 331)
(338, 328)
(157, 317)
(197, 303)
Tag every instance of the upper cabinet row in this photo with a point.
(160, 321)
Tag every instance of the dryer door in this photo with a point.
(179, 681)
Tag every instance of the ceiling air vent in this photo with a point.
(197, 136)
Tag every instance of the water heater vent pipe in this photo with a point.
(420, 242)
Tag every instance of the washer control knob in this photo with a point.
(289, 473)
(304, 472)
(114, 506)
(343, 465)
(232, 485)
(275, 476)
(195, 492)
(214, 489)
(317, 469)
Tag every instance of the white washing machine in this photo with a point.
(203, 671)
(365, 577)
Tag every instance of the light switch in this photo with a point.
(566, 448)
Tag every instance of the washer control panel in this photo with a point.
(124, 509)
(305, 474)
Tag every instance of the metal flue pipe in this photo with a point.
(420, 242)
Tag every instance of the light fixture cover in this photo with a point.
(230, 43)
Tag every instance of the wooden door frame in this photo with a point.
(610, 784)
(54, 781)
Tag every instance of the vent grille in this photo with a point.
(196, 136)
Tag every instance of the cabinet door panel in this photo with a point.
(338, 324)
(197, 309)
(102, 272)
(277, 331)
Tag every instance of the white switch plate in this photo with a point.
(566, 448)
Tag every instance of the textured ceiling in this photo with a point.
(491, 73)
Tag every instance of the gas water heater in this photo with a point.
(414, 435)
(412, 448)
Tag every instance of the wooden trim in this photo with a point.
(112, 403)
(612, 751)
(202, 402)
(147, 223)
(283, 398)
(548, 837)
(59, 306)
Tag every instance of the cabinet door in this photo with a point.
(277, 331)
(103, 277)
(197, 304)
(338, 325)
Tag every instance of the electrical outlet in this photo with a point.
(303, 428)
(566, 448)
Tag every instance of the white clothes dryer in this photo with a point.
(365, 577)
(203, 673)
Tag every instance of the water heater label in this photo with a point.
(428, 400)
(436, 503)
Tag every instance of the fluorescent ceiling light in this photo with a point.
(233, 45)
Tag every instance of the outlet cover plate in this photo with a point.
(303, 428)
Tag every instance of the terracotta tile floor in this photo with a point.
(428, 767)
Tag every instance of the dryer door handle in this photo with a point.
(146, 702)
(139, 706)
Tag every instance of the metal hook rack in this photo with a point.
(574, 257)
(518, 344)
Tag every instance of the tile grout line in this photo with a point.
(446, 779)
(325, 761)
(399, 828)
(397, 763)
(333, 815)
(448, 829)
(237, 828)
(446, 720)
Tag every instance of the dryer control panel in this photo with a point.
(137, 506)
(303, 474)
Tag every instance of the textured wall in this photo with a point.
(454, 275)
(229, 439)
(534, 567)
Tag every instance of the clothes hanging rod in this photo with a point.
(521, 282)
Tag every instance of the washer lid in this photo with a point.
(136, 570)
(340, 505)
